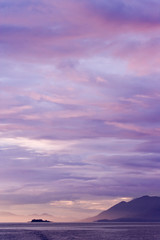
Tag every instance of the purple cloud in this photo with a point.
(79, 104)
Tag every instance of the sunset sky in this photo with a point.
(79, 106)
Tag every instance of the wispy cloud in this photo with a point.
(79, 104)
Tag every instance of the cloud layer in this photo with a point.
(79, 105)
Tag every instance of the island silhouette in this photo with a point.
(143, 209)
(39, 220)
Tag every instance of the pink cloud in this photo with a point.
(84, 74)
(53, 30)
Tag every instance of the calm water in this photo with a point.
(80, 231)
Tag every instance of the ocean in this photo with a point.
(79, 231)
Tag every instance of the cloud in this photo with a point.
(79, 104)
(131, 12)
(46, 30)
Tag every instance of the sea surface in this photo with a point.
(79, 231)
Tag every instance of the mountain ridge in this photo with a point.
(145, 208)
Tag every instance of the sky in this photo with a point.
(79, 106)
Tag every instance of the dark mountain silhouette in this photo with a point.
(141, 209)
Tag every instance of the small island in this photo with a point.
(39, 220)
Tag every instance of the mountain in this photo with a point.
(145, 208)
